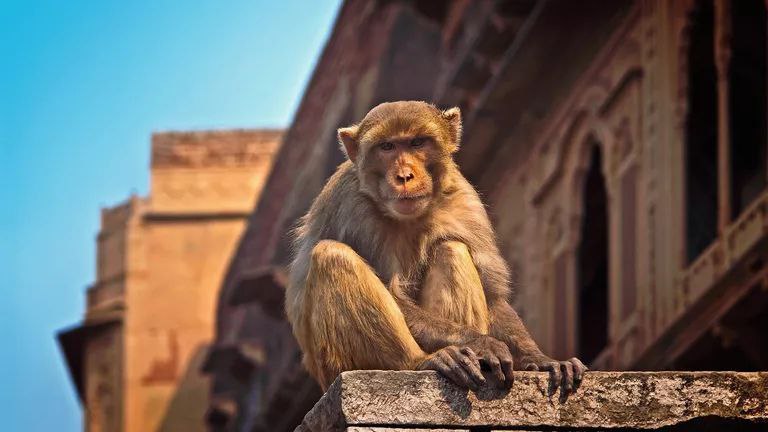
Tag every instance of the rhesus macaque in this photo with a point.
(397, 266)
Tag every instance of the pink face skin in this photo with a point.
(407, 185)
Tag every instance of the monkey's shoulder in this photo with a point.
(463, 217)
(340, 206)
(341, 182)
(463, 203)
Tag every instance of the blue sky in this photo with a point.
(82, 86)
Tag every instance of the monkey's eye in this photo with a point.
(386, 146)
(418, 142)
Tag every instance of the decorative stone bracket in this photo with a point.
(669, 401)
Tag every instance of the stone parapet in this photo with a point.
(205, 175)
(387, 401)
(214, 148)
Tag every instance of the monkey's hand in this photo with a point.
(459, 365)
(565, 374)
(494, 355)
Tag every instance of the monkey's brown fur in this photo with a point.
(396, 263)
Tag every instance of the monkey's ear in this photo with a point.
(348, 140)
(453, 116)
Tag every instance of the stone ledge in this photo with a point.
(387, 401)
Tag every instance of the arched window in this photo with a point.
(747, 102)
(701, 202)
(593, 263)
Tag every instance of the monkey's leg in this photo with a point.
(352, 321)
(452, 287)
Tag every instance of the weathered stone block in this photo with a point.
(385, 400)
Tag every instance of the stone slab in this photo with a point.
(635, 400)
(398, 429)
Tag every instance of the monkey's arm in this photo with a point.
(434, 333)
(506, 325)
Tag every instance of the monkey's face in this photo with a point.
(401, 150)
(399, 171)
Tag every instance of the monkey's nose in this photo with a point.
(404, 177)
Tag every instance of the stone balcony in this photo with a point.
(423, 401)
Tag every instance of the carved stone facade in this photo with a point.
(587, 130)
(602, 113)
(631, 105)
(136, 358)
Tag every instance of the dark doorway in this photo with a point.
(593, 263)
(747, 102)
(701, 133)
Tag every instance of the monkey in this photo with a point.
(396, 265)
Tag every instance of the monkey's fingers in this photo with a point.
(454, 371)
(555, 375)
(433, 362)
(507, 366)
(578, 371)
(567, 370)
(467, 351)
(469, 362)
(494, 364)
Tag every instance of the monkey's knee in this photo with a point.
(337, 265)
(334, 255)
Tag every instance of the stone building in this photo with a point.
(620, 146)
(135, 359)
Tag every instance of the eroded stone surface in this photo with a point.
(645, 400)
(398, 429)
